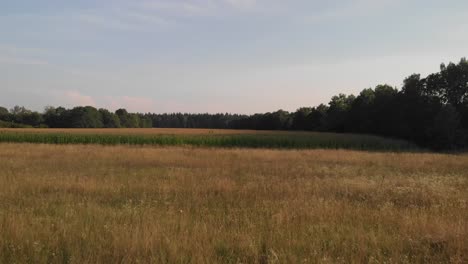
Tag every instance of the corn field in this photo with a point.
(282, 140)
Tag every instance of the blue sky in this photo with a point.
(242, 56)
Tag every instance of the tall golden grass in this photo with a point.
(122, 204)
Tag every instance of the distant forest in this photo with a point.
(430, 111)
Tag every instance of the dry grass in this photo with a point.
(120, 204)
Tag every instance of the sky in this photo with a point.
(237, 56)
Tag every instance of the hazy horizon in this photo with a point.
(236, 56)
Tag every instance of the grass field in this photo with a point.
(146, 204)
(206, 138)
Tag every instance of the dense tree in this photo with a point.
(299, 118)
(4, 114)
(56, 117)
(145, 121)
(85, 117)
(21, 115)
(18, 110)
(450, 84)
(109, 120)
(338, 112)
(444, 132)
(133, 120)
(383, 112)
(34, 119)
(279, 120)
(128, 119)
(360, 114)
(317, 119)
(463, 111)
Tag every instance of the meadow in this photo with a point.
(186, 204)
(206, 138)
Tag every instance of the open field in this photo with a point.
(127, 204)
(206, 137)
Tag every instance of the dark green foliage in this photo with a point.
(450, 84)
(6, 124)
(145, 122)
(128, 119)
(57, 117)
(338, 112)
(317, 118)
(132, 120)
(279, 120)
(360, 117)
(21, 116)
(445, 131)
(109, 120)
(299, 118)
(85, 117)
(4, 114)
(180, 120)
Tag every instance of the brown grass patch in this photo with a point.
(89, 204)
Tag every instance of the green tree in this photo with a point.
(413, 86)
(4, 114)
(34, 119)
(445, 131)
(337, 112)
(450, 84)
(133, 121)
(21, 115)
(128, 120)
(383, 110)
(85, 117)
(146, 122)
(18, 110)
(360, 113)
(299, 119)
(109, 120)
(316, 120)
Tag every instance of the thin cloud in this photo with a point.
(16, 50)
(241, 3)
(105, 22)
(20, 56)
(75, 98)
(354, 8)
(21, 61)
(123, 21)
(184, 8)
(133, 104)
(130, 19)
(149, 18)
(27, 51)
(197, 8)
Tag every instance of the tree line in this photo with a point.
(91, 117)
(430, 111)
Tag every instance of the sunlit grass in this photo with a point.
(124, 204)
